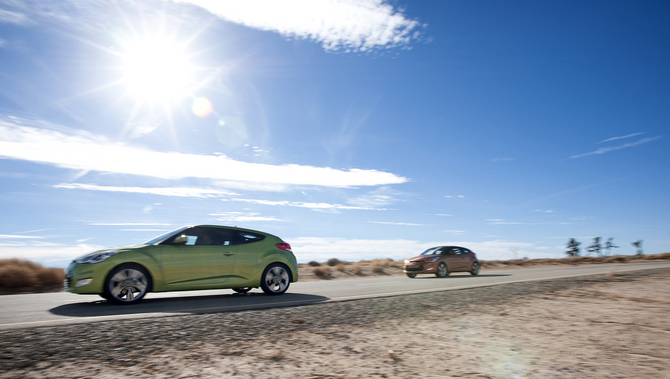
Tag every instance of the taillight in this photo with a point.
(284, 246)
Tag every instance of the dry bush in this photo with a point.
(340, 267)
(357, 270)
(314, 263)
(322, 272)
(378, 265)
(333, 262)
(19, 273)
(51, 276)
(652, 257)
(14, 276)
(616, 259)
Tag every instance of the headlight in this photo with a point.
(406, 261)
(98, 257)
(432, 259)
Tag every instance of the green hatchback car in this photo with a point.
(190, 258)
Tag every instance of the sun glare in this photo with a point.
(157, 70)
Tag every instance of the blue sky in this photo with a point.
(351, 129)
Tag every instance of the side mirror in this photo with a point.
(182, 239)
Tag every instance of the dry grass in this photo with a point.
(357, 269)
(314, 263)
(341, 267)
(322, 272)
(333, 262)
(21, 273)
(578, 260)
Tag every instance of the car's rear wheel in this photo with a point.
(276, 279)
(412, 276)
(127, 284)
(475, 268)
(442, 270)
(242, 290)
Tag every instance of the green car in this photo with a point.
(189, 258)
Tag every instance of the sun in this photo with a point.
(157, 70)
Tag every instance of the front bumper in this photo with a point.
(83, 278)
(420, 268)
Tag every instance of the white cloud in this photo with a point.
(604, 150)
(339, 25)
(394, 223)
(622, 137)
(253, 186)
(298, 204)
(242, 217)
(17, 236)
(165, 191)
(321, 249)
(82, 151)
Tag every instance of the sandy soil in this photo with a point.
(613, 326)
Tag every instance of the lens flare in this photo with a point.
(202, 107)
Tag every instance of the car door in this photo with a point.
(455, 259)
(206, 260)
(250, 250)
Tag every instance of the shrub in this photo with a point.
(314, 263)
(357, 270)
(333, 262)
(20, 273)
(322, 272)
(340, 267)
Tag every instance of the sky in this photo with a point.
(355, 129)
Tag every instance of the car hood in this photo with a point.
(131, 247)
(422, 257)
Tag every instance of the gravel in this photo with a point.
(121, 342)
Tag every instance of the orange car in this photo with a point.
(442, 261)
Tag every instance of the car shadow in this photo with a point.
(186, 304)
(431, 276)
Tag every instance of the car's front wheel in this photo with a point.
(475, 268)
(411, 276)
(442, 270)
(126, 284)
(275, 279)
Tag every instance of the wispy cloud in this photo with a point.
(128, 224)
(242, 217)
(622, 137)
(299, 204)
(504, 159)
(604, 150)
(10, 17)
(496, 221)
(394, 223)
(339, 25)
(163, 191)
(82, 151)
(378, 198)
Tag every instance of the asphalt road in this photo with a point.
(32, 310)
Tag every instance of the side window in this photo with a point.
(246, 237)
(200, 236)
(456, 250)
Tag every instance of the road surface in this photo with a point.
(32, 310)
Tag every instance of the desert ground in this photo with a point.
(609, 326)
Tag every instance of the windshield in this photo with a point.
(431, 251)
(165, 236)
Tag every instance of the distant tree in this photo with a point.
(609, 245)
(638, 246)
(573, 248)
(595, 247)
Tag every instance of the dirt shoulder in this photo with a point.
(607, 326)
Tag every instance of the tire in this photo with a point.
(475, 268)
(242, 290)
(276, 279)
(127, 284)
(442, 270)
(104, 295)
(411, 276)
